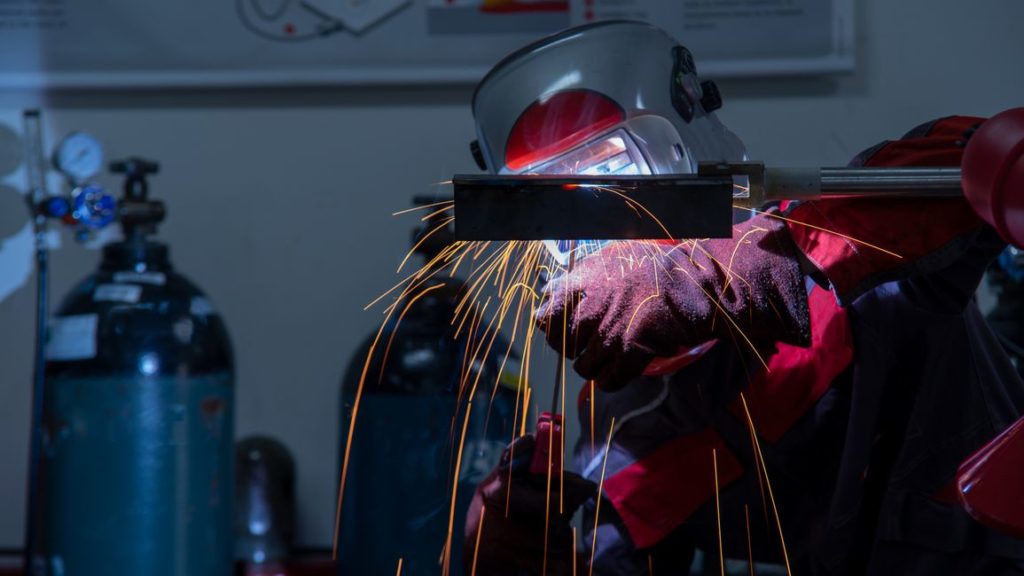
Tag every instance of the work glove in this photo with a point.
(632, 302)
(512, 543)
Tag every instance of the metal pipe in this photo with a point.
(818, 183)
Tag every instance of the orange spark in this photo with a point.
(600, 489)
(455, 488)
(398, 322)
(768, 482)
(826, 230)
(479, 531)
(547, 500)
(423, 207)
(444, 224)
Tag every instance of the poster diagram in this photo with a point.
(497, 16)
(285, 20)
(301, 20)
(130, 44)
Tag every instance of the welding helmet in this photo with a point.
(614, 97)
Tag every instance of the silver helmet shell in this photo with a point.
(566, 95)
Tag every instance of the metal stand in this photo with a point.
(37, 191)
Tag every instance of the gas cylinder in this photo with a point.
(399, 486)
(138, 414)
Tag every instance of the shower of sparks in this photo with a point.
(501, 292)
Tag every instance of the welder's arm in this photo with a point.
(633, 302)
(856, 244)
(508, 515)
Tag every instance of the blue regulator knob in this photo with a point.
(92, 206)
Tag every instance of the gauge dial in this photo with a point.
(79, 156)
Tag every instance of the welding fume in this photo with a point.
(814, 389)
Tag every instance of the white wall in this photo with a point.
(280, 202)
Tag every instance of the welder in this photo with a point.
(800, 394)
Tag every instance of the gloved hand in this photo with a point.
(513, 545)
(633, 302)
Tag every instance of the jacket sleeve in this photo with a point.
(860, 243)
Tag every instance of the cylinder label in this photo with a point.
(72, 337)
(129, 293)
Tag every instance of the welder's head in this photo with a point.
(608, 98)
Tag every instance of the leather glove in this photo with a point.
(513, 545)
(633, 302)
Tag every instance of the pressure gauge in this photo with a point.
(79, 156)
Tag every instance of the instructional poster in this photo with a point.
(204, 43)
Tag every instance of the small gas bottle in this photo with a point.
(264, 503)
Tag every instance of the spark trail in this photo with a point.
(501, 291)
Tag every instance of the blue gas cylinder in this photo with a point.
(405, 446)
(138, 424)
(398, 492)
